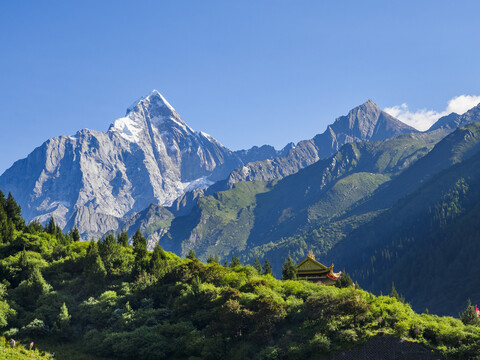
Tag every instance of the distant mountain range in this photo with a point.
(93, 180)
(388, 203)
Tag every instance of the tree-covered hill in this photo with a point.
(428, 242)
(113, 300)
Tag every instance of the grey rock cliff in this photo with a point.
(454, 120)
(363, 123)
(93, 179)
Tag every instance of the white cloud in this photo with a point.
(422, 119)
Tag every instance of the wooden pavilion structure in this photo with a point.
(311, 270)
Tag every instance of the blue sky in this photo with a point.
(247, 72)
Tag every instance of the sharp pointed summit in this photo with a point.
(94, 179)
(454, 120)
(367, 122)
(155, 98)
(150, 114)
(363, 123)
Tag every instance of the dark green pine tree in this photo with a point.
(267, 268)
(32, 288)
(109, 252)
(157, 261)
(396, 295)
(3, 225)
(213, 259)
(289, 270)
(14, 212)
(55, 230)
(6, 224)
(122, 239)
(51, 226)
(257, 266)
(25, 266)
(3, 201)
(235, 260)
(469, 315)
(75, 234)
(140, 252)
(93, 264)
(344, 281)
(34, 227)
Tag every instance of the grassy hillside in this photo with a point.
(20, 351)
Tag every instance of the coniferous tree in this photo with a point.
(157, 261)
(35, 227)
(109, 252)
(122, 239)
(53, 229)
(213, 259)
(51, 226)
(257, 266)
(396, 295)
(3, 201)
(267, 268)
(32, 288)
(24, 265)
(469, 315)
(14, 212)
(93, 265)
(3, 225)
(225, 263)
(191, 255)
(75, 234)
(62, 325)
(289, 270)
(235, 260)
(140, 252)
(344, 281)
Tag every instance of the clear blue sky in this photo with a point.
(247, 72)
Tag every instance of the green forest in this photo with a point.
(114, 299)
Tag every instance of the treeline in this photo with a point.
(115, 299)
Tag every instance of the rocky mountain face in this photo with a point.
(363, 123)
(453, 120)
(92, 179)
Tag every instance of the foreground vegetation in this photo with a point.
(115, 300)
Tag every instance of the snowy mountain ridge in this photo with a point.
(91, 179)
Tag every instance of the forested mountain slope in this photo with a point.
(253, 217)
(428, 242)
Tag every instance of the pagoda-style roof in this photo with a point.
(309, 264)
(312, 270)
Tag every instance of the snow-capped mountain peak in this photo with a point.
(151, 111)
(148, 156)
